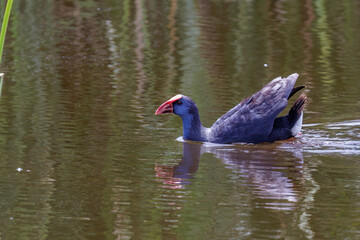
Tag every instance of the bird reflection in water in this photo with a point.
(180, 175)
(269, 171)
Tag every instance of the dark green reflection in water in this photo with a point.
(83, 156)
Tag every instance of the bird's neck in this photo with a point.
(193, 129)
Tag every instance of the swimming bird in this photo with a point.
(253, 120)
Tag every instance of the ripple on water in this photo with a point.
(339, 137)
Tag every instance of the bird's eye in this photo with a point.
(178, 102)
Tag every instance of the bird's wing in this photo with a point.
(252, 119)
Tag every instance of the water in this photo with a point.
(84, 157)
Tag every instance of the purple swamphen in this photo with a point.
(253, 120)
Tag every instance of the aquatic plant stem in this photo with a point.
(1, 82)
(2, 36)
(4, 26)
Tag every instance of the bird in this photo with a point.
(254, 120)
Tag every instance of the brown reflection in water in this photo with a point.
(275, 33)
(172, 41)
(309, 18)
(79, 47)
(307, 36)
(140, 45)
(81, 68)
(120, 36)
(213, 38)
(83, 64)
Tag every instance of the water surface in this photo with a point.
(83, 156)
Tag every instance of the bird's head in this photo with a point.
(185, 108)
(179, 104)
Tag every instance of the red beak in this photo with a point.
(167, 106)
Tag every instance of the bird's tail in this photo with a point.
(298, 106)
(295, 90)
(296, 114)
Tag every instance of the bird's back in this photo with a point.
(253, 118)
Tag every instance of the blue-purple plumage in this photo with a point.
(253, 120)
